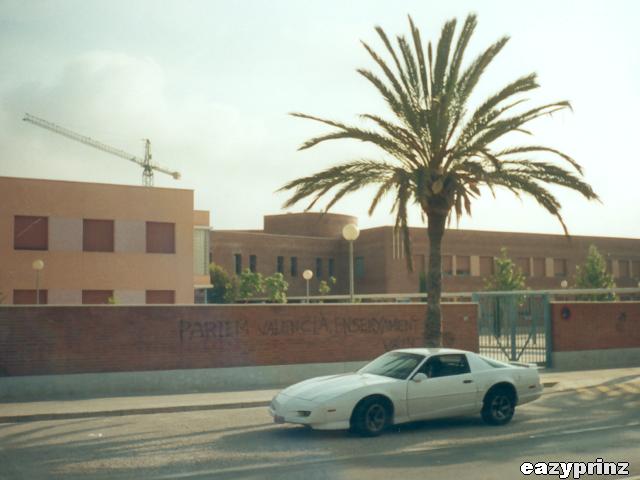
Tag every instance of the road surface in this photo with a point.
(599, 422)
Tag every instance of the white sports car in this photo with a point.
(407, 385)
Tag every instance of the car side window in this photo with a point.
(445, 365)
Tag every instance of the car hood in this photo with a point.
(324, 388)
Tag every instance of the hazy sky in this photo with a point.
(210, 83)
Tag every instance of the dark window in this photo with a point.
(635, 268)
(560, 267)
(161, 237)
(359, 267)
(463, 265)
(28, 297)
(97, 235)
(318, 268)
(97, 297)
(332, 271)
(157, 297)
(280, 265)
(524, 265)
(238, 263)
(294, 266)
(445, 366)
(539, 269)
(486, 266)
(253, 263)
(30, 233)
(623, 268)
(447, 265)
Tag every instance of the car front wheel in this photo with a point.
(371, 417)
(499, 407)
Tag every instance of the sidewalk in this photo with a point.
(554, 382)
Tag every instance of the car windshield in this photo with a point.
(395, 365)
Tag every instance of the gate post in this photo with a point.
(548, 336)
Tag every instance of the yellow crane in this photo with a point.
(147, 166)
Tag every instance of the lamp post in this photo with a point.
(350, 233)
(307, 275)
(37, 265)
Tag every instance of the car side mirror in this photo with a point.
(419, 377)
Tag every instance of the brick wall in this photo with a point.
(595, 326)
(57, 340)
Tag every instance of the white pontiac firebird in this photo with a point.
(408, 385)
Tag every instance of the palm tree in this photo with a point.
(439, 150)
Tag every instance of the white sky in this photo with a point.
(210, 83)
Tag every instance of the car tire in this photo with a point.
(370, 417)
(498, 407)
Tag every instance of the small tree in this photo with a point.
(225, 286)
(593, 274)
(276, 288)
(506, 276)
(250, 284)
(324, 287)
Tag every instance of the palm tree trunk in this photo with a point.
(433, 322)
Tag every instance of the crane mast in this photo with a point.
(148, 167)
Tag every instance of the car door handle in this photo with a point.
(467, 381)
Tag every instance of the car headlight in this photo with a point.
(303, 413)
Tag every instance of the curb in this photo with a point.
(130, 411)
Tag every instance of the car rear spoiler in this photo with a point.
(525, 365)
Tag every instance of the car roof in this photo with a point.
(430, 351)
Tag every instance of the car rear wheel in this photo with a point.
(499, 407)
(371, 417)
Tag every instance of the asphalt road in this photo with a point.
(600, 422)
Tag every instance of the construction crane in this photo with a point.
(147, 166)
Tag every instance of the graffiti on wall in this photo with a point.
(324, 325)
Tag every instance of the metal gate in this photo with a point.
(514, 326)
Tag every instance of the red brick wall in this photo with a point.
(56, 340)
(594, 326)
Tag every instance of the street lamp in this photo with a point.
(564, 284)
(307, 275)
(37, 265)
(350, 233)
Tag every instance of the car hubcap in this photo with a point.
(501, 407)
(376, 418)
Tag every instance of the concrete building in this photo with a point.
(100, 243)
(136, 245)
(291, 243)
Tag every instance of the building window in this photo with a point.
(237, 258)
(318, 268)
(97, 297)
(635, 268)
(253, 263)
(463, 265)
(28, 297)
(331, 267)
(447, 265)
(560, 267)
(97, 235)
(294, 266)
(359, 267)
(161, 237)
(486, 266)
(538, 267)
(524, 266)
(30, 233)
(280, 265)
(160, 297)
(623, 268)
